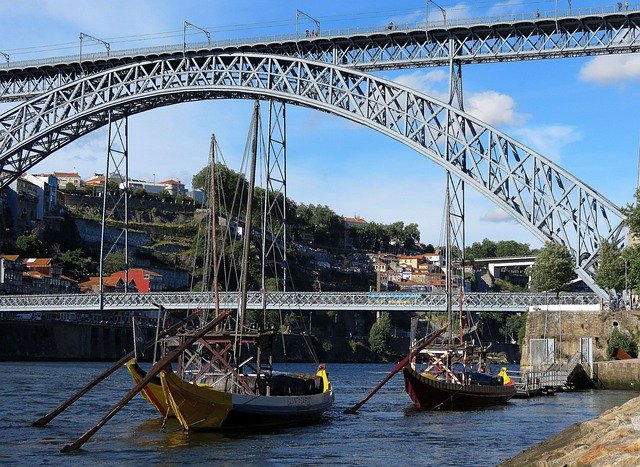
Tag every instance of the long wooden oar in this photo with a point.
(396, 369)
(162, 363)
(62, 407)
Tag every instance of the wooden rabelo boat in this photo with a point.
(452, 373)
(153, 391)
(227, 379)
(470, 390)
(282, 400)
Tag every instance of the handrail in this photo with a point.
(275, 38)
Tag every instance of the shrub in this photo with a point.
(624, 341)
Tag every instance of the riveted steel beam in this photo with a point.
(598, 31)
(538, 193)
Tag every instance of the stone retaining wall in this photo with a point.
(567, 327)
(618, 374)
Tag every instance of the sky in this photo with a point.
(580, 112)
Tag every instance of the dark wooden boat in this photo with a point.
(428, 392)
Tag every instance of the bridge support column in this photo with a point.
(274, 238)
(115, 200)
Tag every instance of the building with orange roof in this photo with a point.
(411, 261)
(95, 181)
(10, 274)
(174, 187)
(42, 265)
(111, 284)
(144, 280)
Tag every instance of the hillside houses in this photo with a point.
(33, 276)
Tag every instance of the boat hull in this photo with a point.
(201, 408)
(153, 391)
(427, 393)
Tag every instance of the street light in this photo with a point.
(444, 12)
(88, 36)
(300, 12)
(184, 34)
(6, 57)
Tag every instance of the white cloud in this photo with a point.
(502, 8)
(494, 108)
(491, 107)
(425, 82)
(611, 69)
(453, 12)
(549, 140)
(497, 215)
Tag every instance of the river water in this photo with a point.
(385, 431)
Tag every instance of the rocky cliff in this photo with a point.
(612, 439)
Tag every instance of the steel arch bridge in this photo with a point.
(590, 31)
(543, 197)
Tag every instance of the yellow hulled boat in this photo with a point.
(152, 392)
(283, 399)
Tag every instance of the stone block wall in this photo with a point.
(567, 327)
(618, 374)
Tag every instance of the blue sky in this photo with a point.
(580, 112)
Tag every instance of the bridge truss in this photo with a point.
(292, 301)
(594, 31)
(538, 193)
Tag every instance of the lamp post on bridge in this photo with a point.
(89, 36)
(300, 12)
(186, 25)
(444, 13)
(6, 57)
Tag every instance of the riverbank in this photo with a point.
(612, 439)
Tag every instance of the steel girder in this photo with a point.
(351, 301)
(409, 46)
(542, 196)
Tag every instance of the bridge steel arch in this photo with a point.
(549, 201)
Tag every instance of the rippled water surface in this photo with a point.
(385, 431)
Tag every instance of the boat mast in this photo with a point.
(214, 222)
(244, 277)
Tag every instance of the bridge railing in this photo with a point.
(372, 301)
(272, 38)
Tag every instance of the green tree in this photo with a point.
(70, 187)
(553, 268)
(380, 336)
(139, 192)
(486, 249)
(327, 227)
(610, 272)
(411, 235)
(113, 262)
(624, 341)
(632, 257)
(164, 195)
(30, 246)
(632, 213)
(512, 248)
(514, 326)
(501, 249)
(75, 263)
